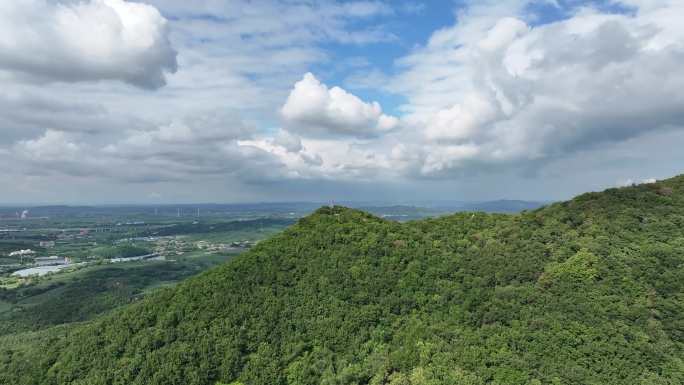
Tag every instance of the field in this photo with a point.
(93, 238)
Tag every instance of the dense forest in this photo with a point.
(85, 295)
(589, 291)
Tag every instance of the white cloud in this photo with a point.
(51, 146)
(182, 150)
(448, 157)
(199, 145)
(280, 23)
(125, 134)
(52, 153)
(288, 141)
(493, 90)
(314, 109)
(204, 128)
(298, 161)
(87, 40)
(464, 120)
(335, 159)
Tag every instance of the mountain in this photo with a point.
(408, 212)
(589, 291)
(501, 206)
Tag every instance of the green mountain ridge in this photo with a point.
(588, 291)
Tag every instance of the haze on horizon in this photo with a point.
(164, 101)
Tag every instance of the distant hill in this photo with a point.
(428, 209)
(258, 210)
(588, 291)
(498, 206)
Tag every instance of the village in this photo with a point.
(160, 249)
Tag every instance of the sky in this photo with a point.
(172, 101)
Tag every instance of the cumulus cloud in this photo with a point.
(26, 114)
(199, 145)
(198, 129)
(495, 90)
(51, 146)
(500, 90)
(464, 120)
(316, 110)
(56, 122)
(181, 150)
(334, 159)
(288, 141)
(52, 153)
(73, 41)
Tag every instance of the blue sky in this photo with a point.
(232, 101)
(412, 25)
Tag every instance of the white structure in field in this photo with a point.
(52, 261)
(22, 253)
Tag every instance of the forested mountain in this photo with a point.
(589, 291)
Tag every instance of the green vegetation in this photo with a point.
(120, 251)
(94, 287)
(81, 295)
(589, 291)
(41, 302)
(221, 227)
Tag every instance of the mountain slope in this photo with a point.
(589, 291)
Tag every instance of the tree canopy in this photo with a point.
(588, 291)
